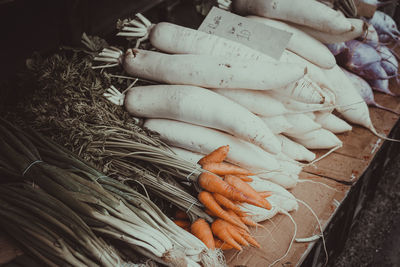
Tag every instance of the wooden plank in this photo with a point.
(360, 142)
(338, 167)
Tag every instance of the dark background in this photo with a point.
(28, 26)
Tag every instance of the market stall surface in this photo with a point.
(341, 172)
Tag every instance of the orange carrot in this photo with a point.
(238, 213)
(202, 230)
(182, 223)
(180, 214)
(242, 213)
(245, 178)
(224, 168)
(213, 183)
(209, 202)
(247, 237)
(217, 155)
(209, 212)
(248, 221)
(234, 215)
(237, 235)
(247, 190)
(221, 244)
(220, 230)
(265, 194)
(225, 202)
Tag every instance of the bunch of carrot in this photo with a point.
(224, 188)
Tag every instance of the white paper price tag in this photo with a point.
(266, 39)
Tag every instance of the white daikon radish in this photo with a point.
(204, 140)
(297, 107)
(255, 101)
(277, 124)
(295, 150)
(198, 106)
(288, 164)
(350, 104)
(283, 178)
(359, 29)
(260, 214)
(332, 123)
(302, 44)
(313, 71)
(175, 39)
(318, 139)
(288, 173)
(305, 90)
(281, 201)
(301, 124)
(307, 12)
(312, 115)
(280, 195)
(210, 71)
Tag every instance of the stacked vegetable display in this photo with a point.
(279, 109)
(239, 126)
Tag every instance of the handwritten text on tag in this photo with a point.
(266, 39)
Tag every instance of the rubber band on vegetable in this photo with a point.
(30, 166)
(194, 170)
(190, 207)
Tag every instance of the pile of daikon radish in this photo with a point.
(212, 92)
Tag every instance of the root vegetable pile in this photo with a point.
(236, 127)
